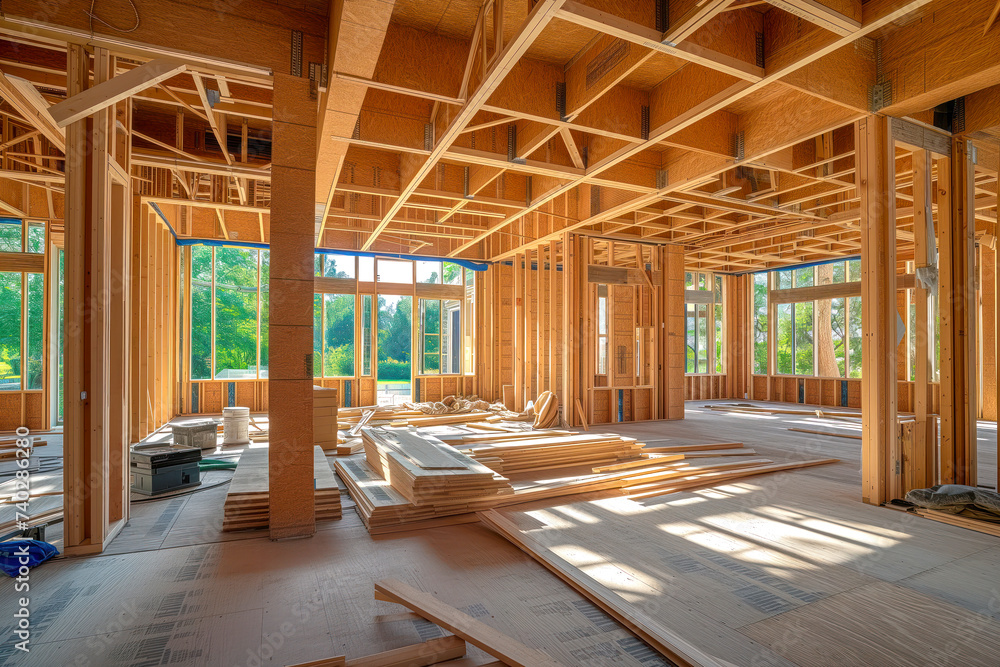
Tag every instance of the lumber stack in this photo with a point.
(426, 471)
(519, 454)
(247, 503)
(325, 403)
(383, 509)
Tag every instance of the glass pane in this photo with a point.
(702, 338)
(718, 289)
(366, 269)
(804, 277)
(718, 338)
(470, 322)
(394, 343)
(602, 355)
(854, 271)
(317, 335)
(760, 323)
(431, 312)
(428, 272)
(804, 339)
(338, 266)
(784, 279)
(783, 345)
(452, 274)
(854, 335)
(10, 329)
(10, 237)
(235, 313)
(451, 349)
(338, 333)
(36, 238)
(201, 264)
(366, 334)
(839, 272)
(61, 334)
(688, 279)
(912, 337)
(36, 339)
(201, 331)
(265, 311)
(838, 329)
(395, 271)
(691, 341)
(602, 315)
(318, 266)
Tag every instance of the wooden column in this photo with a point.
(95, 477)
(924, 459)
(290, 382)
(876, 185)
(957, 290)
(672, 333)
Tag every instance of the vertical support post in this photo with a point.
(958, 320)
(877, 187)
(76, 441)
(925, 253)
(290, 383)
(673, 332)
(570, 349)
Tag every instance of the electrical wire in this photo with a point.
(95, 17)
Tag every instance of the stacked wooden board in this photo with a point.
(408, 476)
(247, 502)
(325, 404)
(426, 471)
(519, 453)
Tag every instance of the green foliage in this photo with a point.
(10, 328)
(338, 333)
(394, 337)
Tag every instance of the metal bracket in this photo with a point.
(428, 136)
(760, 50)
(644, 124)
(357, 128)
(662, 15)
(511, 142)
(958, 117)
(465, 183)
(738, 147)
(661, 179)
(561, 100)
(296, 66)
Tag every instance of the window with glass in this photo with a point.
(22, 304)
(602, 329)
(440, 322)
(229, 313)
(705, 323)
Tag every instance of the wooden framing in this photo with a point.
(876, 177)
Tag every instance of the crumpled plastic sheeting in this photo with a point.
(453, 405)
(958, 499)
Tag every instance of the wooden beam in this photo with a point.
(477, 633)
(543, 12)
(823, 15)
(114, 90)
(213, 119)
(28, 102)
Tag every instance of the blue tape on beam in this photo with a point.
(843, 393)
(11, 221)
(796, 267)
(466, 263)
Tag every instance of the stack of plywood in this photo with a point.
(325, 417)
(546, 452)
(383, 508)
(426, 471)
(247, 502)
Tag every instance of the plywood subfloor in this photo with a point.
(785, 563)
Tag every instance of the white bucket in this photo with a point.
(235, 426)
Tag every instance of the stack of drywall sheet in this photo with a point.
(325, 404)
